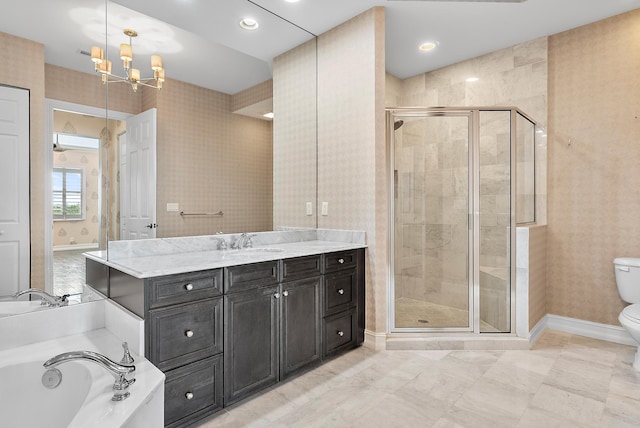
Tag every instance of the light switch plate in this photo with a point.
(309, 208)
(172, 207)
(325, 208)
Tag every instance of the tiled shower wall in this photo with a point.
(511, 77)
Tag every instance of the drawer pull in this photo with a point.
(341, 291)
(340, 333)
(188, 333)
(188, 287)
(277, 295)
(341, 261)
(189, 395)
(285, 293)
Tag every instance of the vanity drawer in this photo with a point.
(301, 267)
(340, 332)
(340, 260)
(193, 391)
(247, 277)
(169, 290)
(185, 333)
(340, 291)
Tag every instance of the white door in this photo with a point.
(140, 178)
(14, 190)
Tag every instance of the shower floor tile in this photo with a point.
(411, 313)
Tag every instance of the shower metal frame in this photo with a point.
(473, 215)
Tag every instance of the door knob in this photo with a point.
(152, 226)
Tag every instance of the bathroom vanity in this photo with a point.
(249, 319)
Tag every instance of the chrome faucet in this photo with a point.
(121, 384)
(243, 241)
(47, 299)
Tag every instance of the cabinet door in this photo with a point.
(301, 326)
(250, 342)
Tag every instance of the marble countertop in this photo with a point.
(150, 266)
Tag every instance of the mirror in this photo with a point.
(220, 166)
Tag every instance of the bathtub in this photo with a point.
(83, 398)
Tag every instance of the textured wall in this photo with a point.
(209, 159)
(22, 65)
(594, 100)
(294, 136)
(352, 166)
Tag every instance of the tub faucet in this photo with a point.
(47, 299)
(121, 384)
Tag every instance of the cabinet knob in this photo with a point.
(189, 395)
(277, 295)
(188, 333)
(188, 287)
(285, 293)
(340, 333)
(341, 261)
(341, 291)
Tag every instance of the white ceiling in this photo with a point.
(202, 43)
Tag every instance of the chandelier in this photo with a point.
(132, 75)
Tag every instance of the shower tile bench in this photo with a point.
(224, 325)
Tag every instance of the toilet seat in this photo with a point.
(632, 313)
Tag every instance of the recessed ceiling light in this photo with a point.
(270, 114)
(249, 24)
(472, 79)
(292, 1)
(428, 46)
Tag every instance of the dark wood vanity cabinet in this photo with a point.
(222, 335)
(272, 330)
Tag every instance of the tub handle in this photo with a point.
(189, 395)
(623, 268)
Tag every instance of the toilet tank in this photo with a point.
(628, 278)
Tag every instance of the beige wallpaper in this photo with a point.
(594, 101)
(86, 231)
(351, 144)
(22, 65)
(294, 136)
(260, 92)
(210, 160)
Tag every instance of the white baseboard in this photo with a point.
(537, 330)
(594, 330)
(76, 247)
(375, 341)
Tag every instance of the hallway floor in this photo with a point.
(565, 381)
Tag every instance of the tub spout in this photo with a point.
(121, 384)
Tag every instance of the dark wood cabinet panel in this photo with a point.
(301, 267)
(339, 332)
(184, 333)
(341, 291)
(246, 277)
(340, 260)
(251, 342)
(193, 391)
(173, 289)
(301, 328)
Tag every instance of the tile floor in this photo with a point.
(564, 381)
(68, 272)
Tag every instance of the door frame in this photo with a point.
(49, 106)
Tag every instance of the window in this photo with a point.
(68, 194)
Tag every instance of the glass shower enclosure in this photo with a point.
(461, 178)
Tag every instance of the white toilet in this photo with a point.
(628, 280)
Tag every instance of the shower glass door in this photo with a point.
(432, 233)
